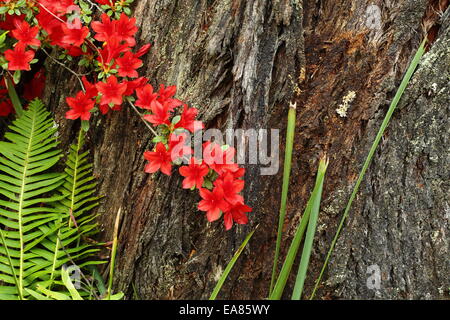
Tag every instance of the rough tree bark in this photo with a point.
(242, 62)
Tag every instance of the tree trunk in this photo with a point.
(241, 63)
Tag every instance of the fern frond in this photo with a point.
(26, 192)
(44, 215)
(80, 186)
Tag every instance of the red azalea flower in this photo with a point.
(213, 203)
(73, 51)
(80, 106)
(166, 93)
(143, 50)
(219, 160)
(126, 29)
(158, 160)
(239, 173)
(104, 29)
(74, 37)
(160, 114)
(188, 121)
(178, 147)
(231, 188)
(19, 59)
(134, 85)
(112, 50)
(105, 2)
(104, 108)
(194, 174)
(91, 89)
(25, 34)
(237, 214)
(146, 96)
(10, 21)
(58, 7)
(55, 31)
(128, 65)
(112, 91)
(166, 96)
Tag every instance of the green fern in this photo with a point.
(25, 211)
(45, 215)
(80, 185)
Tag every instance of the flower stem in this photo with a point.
(142, 118)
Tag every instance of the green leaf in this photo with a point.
(16, 77)
(307, 247)
(295, 244)
(85, 125)
(53, 294)
(207, 184)
(3, 35)
(176, 119)
(284, 190)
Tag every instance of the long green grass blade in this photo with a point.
(412, 67)
(278, 289)
(230, 266)
(307, 247)
(295, 244)
(285, 188)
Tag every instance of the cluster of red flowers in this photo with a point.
(108, 46)
(216, 170)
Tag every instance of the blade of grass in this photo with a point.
(290, 257)
(14, 97)
(412, 67)
(230, 266)
(113, 255)
(285, 188)
(295, 244)
(309, 238)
